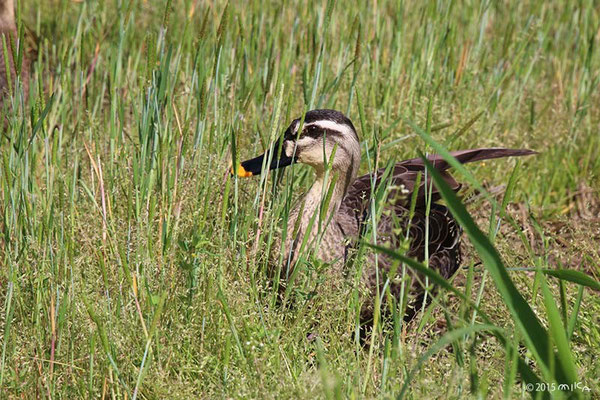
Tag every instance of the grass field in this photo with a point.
(133, 265)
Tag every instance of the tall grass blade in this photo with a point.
(535, 335)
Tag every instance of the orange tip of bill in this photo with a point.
(241, 172)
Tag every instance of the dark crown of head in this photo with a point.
(327, 115)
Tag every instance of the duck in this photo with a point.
(332, 217)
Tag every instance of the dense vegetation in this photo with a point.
(133, 264)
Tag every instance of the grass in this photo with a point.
(134, 266)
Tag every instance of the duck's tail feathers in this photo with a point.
(467, 156)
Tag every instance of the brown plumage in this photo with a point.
(328, 137)
(444, 233)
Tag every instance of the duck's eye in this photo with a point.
(311, 131)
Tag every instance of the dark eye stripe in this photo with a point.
(316, 132)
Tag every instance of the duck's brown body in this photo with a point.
(349, 217)
(334, 214)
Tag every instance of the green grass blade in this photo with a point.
(524, 369)
(557, 333)
(444, 341)
(573, 276)
(536, 337)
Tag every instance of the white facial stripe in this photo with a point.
(333, 126)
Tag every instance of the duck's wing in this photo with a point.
(403, 179)
(466, 156)
(404, 176)
(442, 239)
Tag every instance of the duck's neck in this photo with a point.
(325, 195)
(312, 217)
(309, 220)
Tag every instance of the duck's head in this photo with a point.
(322, 133)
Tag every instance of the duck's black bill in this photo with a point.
(255, 165)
